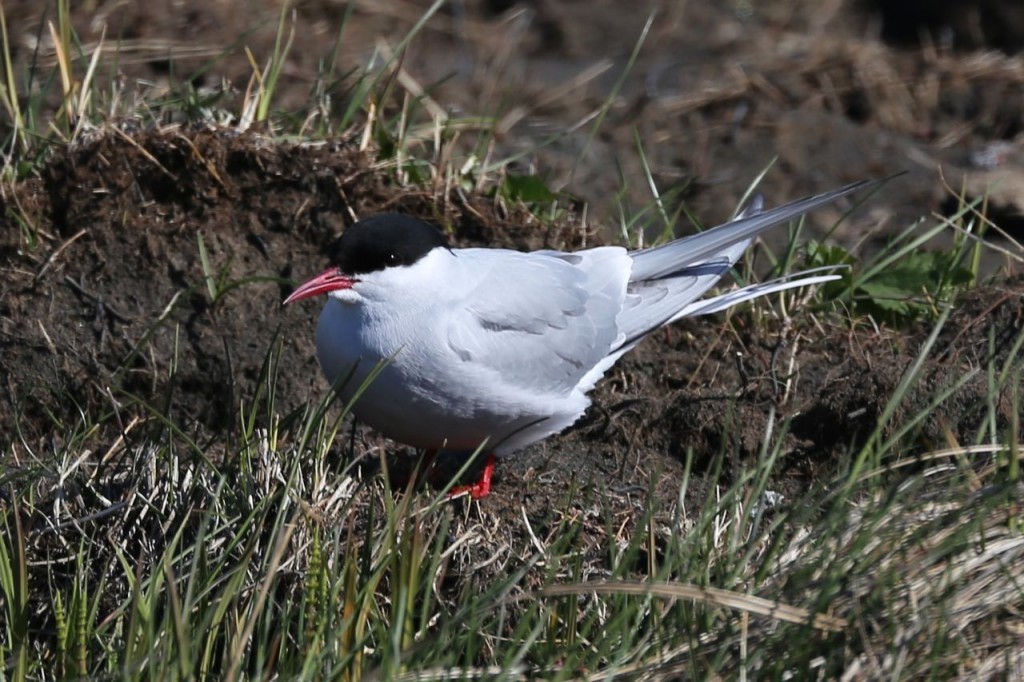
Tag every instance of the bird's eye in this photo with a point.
(391, 259)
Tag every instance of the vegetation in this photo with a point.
(258, 552)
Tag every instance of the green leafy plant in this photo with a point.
(913, 287)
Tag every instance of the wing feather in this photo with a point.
(551, 323)
(540, 322)
(668, 259)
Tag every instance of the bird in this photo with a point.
(489, 349)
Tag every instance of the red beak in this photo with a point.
(324, 283)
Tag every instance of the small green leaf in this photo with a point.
(527, 188)
(821, 255)
(888, 298)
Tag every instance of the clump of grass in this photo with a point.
(275, 562)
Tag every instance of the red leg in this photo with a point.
(483, 486)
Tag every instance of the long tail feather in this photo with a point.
(716, 304)
(663, 261)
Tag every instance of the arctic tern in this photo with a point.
(495, 349)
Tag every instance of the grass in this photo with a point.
(282, 562)
(262, 551)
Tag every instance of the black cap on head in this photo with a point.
(384, 241)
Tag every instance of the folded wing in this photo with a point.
(541, 322)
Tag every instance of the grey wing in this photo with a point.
(667, 280)
(669, 259)
(542, 322)
(652, 303)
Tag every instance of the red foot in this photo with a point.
(483, 486)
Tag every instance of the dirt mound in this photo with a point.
(160, 261)
(114, 303)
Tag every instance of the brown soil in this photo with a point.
(110, 308)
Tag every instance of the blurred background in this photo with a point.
(616, 102)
